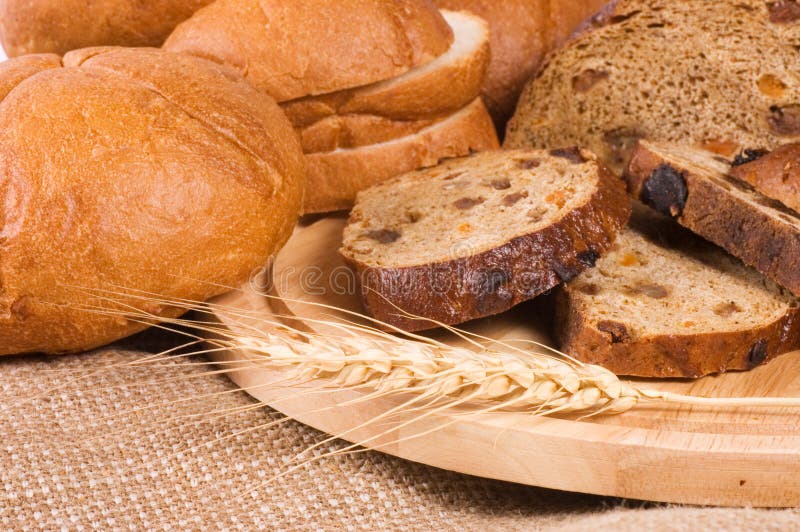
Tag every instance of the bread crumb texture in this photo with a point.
(720, 74)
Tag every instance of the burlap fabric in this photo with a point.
(90, 443)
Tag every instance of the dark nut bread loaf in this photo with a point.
(696, 72)
(295, 49)
(132, 169)
(775, 174)
(57, 26)
(693, 186)
(665, 303)
(475, 236)
(523, 32)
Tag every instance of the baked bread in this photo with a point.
(775, 174)
(139, 170)
(719, 74)
(57, 26)
(693, 186)
(433, 90)
(665, 303)
(295, 49)
(523, 32)
(335, 177)
(354, 131)
(475, 236)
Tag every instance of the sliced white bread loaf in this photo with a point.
(665, 303)
(335, 177)
(693, 186)
(353, 131)
(475, 236)
(434, 90)
(720, 74)
(293, 49)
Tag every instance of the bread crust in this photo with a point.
(553, 255)
(523, 32)
(58, 26)
(770, 246)
(776, 174)
(354, 131)
(673, 356)
(334, 178)
(294, 49)
(141, 170)
(428, 92)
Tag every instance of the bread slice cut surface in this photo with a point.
(474, 236)
(665, 303)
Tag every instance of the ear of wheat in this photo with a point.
(496, 375)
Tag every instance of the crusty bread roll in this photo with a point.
(57, 26)
(295, 49)
(132, 169)
(523, 32)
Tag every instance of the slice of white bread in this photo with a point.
(293, 49)
(475, 236)
(718, 73)
(436, 89)
(665, 303)
(334, 178)
(693, 186)
(353, 131)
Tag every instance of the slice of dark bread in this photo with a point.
(694, 187)
(666, 303)
(775, 174)
(475, 236)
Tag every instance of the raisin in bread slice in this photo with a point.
(475, 236)
(694, 187)
(665, 303)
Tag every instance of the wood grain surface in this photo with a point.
(737, 457)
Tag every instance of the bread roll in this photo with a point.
(523, 32)
(34, 26)
(295, 49)
(132, 169)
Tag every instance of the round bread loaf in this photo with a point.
(132, 170)
(57, 26)
(295, 49)
(720, 74)
(522, 33)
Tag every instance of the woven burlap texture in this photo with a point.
(91, 442)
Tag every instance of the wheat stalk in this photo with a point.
(496, 374)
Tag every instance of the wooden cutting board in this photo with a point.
(695, 455)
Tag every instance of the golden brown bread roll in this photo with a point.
(523, 33)
(132, 169)
(295, 49)
(57, 26)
